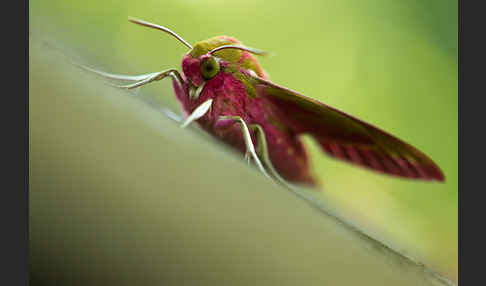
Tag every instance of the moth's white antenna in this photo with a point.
(158, 27)
(247, 49)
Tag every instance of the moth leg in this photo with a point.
(152, 77)
(198, 112)
(140, 79)
(114, 76)
(250, 148)
(262, 151)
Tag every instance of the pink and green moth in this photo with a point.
(223, 88)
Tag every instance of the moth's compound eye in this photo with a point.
(209, 68)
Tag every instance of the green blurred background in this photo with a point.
(391, 63)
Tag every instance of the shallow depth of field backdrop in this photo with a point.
(391, 63)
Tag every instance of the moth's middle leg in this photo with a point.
(262, 151)
(250, 147)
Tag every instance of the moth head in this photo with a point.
(201, 69)
(206, 58)
(203, 60)
(201, 63)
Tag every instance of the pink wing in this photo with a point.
(347, 138)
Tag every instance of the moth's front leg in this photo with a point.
(225, 121)
(139, 80)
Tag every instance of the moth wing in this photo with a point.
(347, 138)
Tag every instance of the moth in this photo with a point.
(223, 88)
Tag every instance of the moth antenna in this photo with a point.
(158, 27)
(250, 50)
